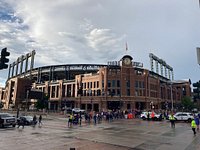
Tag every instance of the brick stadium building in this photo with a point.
(122, 84)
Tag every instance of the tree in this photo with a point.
(42, 103)
(187, 103)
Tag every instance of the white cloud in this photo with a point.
(89, 31)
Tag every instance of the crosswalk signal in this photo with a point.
(4, 60)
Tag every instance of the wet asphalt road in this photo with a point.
(134, 134)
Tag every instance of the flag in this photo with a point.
(126, 46)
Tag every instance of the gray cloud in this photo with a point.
(89, 31)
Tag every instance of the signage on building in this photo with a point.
(114, 63)
(138, 64)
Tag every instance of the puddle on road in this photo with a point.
(113, 128)
(35, 133)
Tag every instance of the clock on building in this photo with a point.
(127, 61)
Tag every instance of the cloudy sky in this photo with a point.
(95, 31)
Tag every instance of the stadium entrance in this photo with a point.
(113, 105)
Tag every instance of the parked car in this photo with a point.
(28, 120)
(78, 110)
(158, 117)
(184, 116)
(7, 119)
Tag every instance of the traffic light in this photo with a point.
(3, 59)
(196, 90)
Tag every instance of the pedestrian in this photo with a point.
(70, 120)
(172, 120)
(152, 115)
(95, 118)
(80, 118)
(34, 120)
(21, 122)
(40, 120)
(148, 116)
(193, 125)
(196, 119)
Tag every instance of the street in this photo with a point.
(131, 134)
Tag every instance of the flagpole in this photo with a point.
(126, 47)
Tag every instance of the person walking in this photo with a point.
(40, 120)
(148, 116)
(152, 115)
(196, 119)
(80, 118)
(34, 120)
(95, 118)
(70, 120)
(21, 122)
(193, 125)
(172, 120)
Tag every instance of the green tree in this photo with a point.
(39, 104)
(187, 103)
(42, 103)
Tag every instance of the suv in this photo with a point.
(184, 116)
(78, 110)
(7, 119)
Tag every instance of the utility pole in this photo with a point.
(172, 98)
(27, 95)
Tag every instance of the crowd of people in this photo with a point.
(95, 117)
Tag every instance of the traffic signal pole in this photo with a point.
(4, 60)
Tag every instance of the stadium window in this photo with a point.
(113, 92)
(128, 83)
(118, 92)
(53, 91)
(118, 83)
(88, 85)
(136, 84)
(113, 83)
(98, 92)
(128, 92)
(109, 92)
(84, 92)
(109, 84)
(57, 91)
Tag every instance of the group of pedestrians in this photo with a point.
(22, 121)
(95, 118)
(194, 123)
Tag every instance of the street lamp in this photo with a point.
(172, 98)
(27, 94)
(151, 104)
(171, 95)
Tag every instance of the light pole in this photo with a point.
(151, 105)
(172, 97)
(27, 94)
